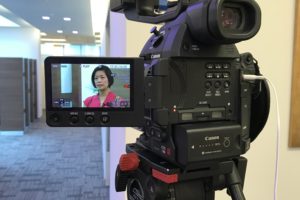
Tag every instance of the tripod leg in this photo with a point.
(234, 183)
(236, 192)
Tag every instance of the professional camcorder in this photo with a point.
(198, 116)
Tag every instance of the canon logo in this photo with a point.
(154, 56)
(209, 138)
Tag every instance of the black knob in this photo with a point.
(217, 84)
(54, 118)
(155, 31)
(89, 119)
(208, 85)
(105, 119)
(74, 119)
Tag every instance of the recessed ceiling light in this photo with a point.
(43, 34)
(67, 18)
(75, 32)
(7, 23)
(59, 31)
(98, 41)
(45, 17)
(52, 40)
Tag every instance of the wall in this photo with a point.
(273, 48)
(117, 48)
(126, 40)
(23, 42)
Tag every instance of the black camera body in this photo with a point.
(199, 113)
(197, 106)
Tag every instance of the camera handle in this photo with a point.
(148, 177)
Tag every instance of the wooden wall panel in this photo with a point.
(33, 90)
(12, 101)
(27, 91)
(294, 137)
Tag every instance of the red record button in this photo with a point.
(129, 162)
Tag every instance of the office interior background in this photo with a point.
(272, 47)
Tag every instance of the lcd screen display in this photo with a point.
(91, 85)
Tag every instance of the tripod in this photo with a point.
(148, 177)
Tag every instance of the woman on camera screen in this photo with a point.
(102, 79)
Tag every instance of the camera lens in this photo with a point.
(230, 17)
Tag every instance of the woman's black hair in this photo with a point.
(107, 72)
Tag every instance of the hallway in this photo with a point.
(52, 164)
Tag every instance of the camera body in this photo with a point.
(187, 95)
(197, 107)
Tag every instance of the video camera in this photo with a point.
(185, 92)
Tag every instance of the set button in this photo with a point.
(104, 119)
(217, 75)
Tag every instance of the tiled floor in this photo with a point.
(52, 164)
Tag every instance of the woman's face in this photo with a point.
(101, 80)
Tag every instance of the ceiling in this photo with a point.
(32, 11)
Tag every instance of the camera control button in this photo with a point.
(74, 119)
(154, 31)
(209, 66)
(104, 119)
(89, 119)
(226, 66)
(245, 91)
(226, 142)
(218, 84)
(54, 117)
(217, 75)
(209, 75)
(157, 41)
(218, 66)
(226, 84)
(186, 47)
(208, 85)
(226, 75)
